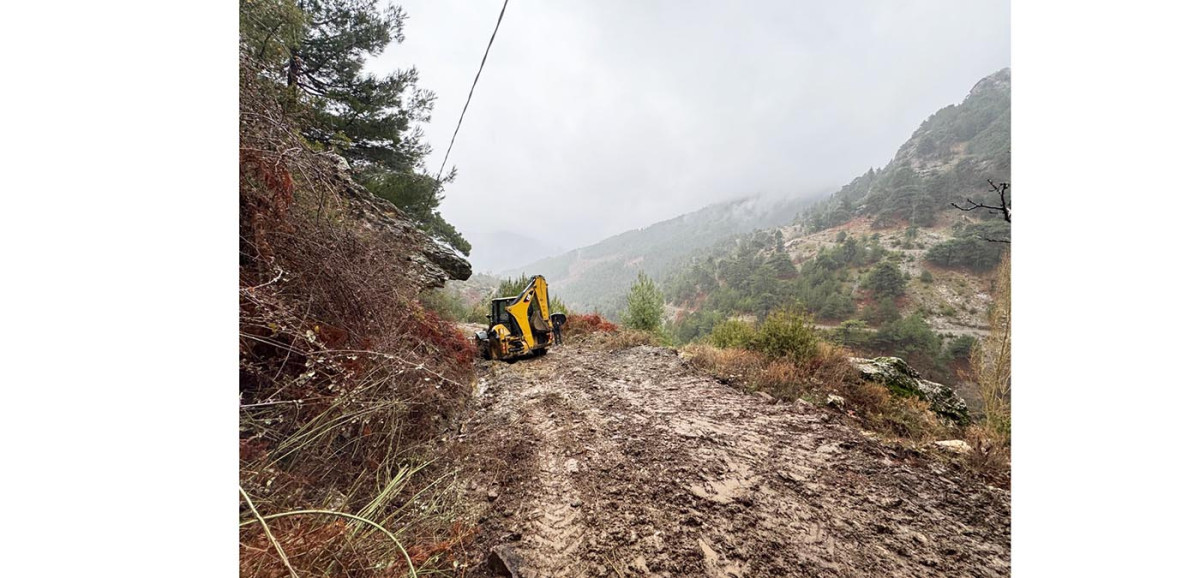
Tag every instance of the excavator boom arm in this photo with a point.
(534, 292)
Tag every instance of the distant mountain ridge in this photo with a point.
(597, 276)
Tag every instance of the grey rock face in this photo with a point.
(438, 261)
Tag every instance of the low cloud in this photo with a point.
(594, 118)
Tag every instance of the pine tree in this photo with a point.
(644, 305)
(316, 51)
(885, 280)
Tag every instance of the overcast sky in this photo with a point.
(592, 118)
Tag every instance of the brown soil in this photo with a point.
(596, 463)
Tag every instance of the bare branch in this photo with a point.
(1002, 188)
(973, 205)
(1004, 209)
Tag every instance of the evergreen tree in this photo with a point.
(885, 280)
(644, 305)
(884, 311)
(781, 266)
(971, 248)
(511, 287)
(910, 338)
(852, 333)
(904, 188)
(923, 210)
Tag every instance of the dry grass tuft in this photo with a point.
(827, 372)
(991, 360)
(730, 365)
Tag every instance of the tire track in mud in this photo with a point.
(633, 463)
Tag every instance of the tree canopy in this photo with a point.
(316, 51)
(885, 280)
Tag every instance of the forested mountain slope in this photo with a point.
(596, 277)
(887, 263)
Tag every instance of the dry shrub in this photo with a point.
(592, 328)
(345, 379)
(586, 324)
(990, 455)
(906, 417)
(779, 378)
(337, 548)
(309, 543)
(881, 410)
(732, 365)
(831, 365)
(313, 543)
(449, 548)
(827, 370)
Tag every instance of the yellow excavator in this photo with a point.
(521, 325)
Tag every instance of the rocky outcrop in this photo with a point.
(438, 261)
(903, 380)
(999, 81)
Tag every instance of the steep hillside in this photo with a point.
(887, 265)
(951, 155)
(345, 379)
(596, 277)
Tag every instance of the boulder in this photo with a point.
(904, 381)
(836, 401)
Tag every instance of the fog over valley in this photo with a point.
(593, 119)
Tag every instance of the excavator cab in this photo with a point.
(499, 314)
(521, 325)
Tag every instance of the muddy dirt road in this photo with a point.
(597, 463)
